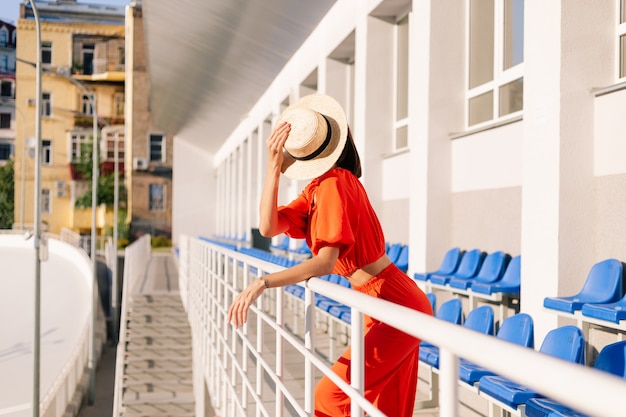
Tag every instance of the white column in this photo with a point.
(560, 67)
(433, 25)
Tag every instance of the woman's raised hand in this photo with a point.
(275, 145)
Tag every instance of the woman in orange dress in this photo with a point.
(312, 141)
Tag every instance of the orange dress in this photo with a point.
(334, 210)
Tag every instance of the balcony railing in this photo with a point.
(83, 120)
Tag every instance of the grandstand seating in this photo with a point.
(490, 271)
(566, 342)
(508, 284)
(518, 329)
(480, 319)
(603, 285)
(449, 265)
(282, 247)
(611, 359)
(468, 268)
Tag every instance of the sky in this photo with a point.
(10, 9)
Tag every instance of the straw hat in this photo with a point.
(319, 130)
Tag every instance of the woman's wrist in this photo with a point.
(266, 283)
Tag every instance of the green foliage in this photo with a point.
(123, 230)
(106, 183)
(160, 241)
(7, 195)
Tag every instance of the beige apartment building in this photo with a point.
(85, 50)
(150, 149)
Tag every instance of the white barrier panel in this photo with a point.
(65, 313)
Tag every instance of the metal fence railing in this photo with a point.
(136, 258)
(236, 369)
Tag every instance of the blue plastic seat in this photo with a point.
(611, 359)
(282, 246)
(508, 284)
(394, 251)
(448, 266)
(518, 329)
(451, 311)
(468, 268)
(613, 312)
(479, 319)
(603, 285)
(432, 297)
(566, 342)
(492, 269)
(402, 262)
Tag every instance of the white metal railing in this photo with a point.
(136, 258)
(211, 274)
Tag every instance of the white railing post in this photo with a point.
(448, 384)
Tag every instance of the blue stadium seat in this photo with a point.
(492, 269)
(432, 297)
(566, 342)
(468, 268)
(479, 319)
(402, 262)
(283, 246)
(448, 266)
(394, 251)
(613, 312)
(611, 359)
(518, 329)
(603, 285)
(508, 284)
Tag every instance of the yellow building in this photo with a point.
(83, 52)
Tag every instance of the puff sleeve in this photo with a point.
(333, 217)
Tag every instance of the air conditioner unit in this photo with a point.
(140, 164)
(32, 102)
(64, 71)
(60, 188)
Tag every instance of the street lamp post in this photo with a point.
(37, 221)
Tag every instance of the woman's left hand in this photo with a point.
(238, 311)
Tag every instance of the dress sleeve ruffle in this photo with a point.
(334, 220)
(296, 213)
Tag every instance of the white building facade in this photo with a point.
(490, 124)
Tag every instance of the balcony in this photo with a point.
(87, 121)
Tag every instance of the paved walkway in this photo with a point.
(157, 374)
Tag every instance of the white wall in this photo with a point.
(193, 208)
(488, 160)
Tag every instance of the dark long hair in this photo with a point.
(349, 158)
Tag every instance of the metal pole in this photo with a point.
(116, 198)
(37, 221)
(94, 263)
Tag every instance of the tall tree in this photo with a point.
(7, 195)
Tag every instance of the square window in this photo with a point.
(46, 152)
(46, 104)
(46, 52)
(157, 145)
(511, 97)
(5, 120)
(5, 151)
(481, 108)
(46, 204)
(157, 198)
